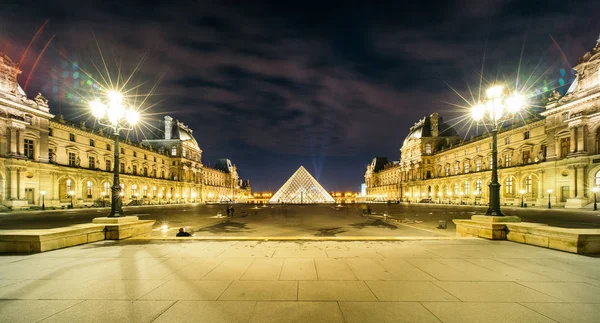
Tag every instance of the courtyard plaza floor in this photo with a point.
(434, 280)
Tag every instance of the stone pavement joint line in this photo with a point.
(449, 280)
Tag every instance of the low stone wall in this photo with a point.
(580, 241)
(30, 241)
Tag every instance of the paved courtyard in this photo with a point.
(440, 280)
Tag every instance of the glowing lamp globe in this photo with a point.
(132, 117)
(98, 109)
(515, 102)
(477, 112)
(494, 92)
(115, 98)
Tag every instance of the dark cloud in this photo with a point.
(273, 85)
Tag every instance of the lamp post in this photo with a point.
(114, 115)
(71, 193)
(522, 195)
(497, 102)
(595, 189)
(44, 204)
(549, 192)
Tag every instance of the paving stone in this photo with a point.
(111, 311)
(196, 270)
(109, 289)
(383, 312)
(408, 291)
(484, 312)
(264, 269)
(298, 269)
(16, 311)
(229, 269)
(334, 291)
(333, 269)
(368, 269)
(261, 290)
(508, 271)
(188, 290)
(567, 313)
(570, 292)
(297, 312)
(35, 289)
(208, 312)
(494, 292)
(400, 269)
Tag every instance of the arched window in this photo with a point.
(144, 191)
(478, 187)
(89, 189)
(598, 178)
(107, 188)
(466, 188)
(508, 185)
(68, 185)
(455, 188)
(133, 189)
(528, 184)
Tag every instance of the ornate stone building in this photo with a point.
(41, 153)
(557, 149)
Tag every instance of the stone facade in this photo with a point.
(43, 153)
(557, 149)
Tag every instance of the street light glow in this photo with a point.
(515, 102)
(494, 92)
(477, 112)
(98, 109)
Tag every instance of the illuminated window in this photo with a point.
(144, 191)
(508, 185)
(478, 186)
(455, 188)
(89, 189)
(466, 167)
(507, 160)
(107, 188)
(174, 151)
(447, 170)
(428, 149)
(528, 184)
(133, 189)
(507, 140)
(68, 185)
(466, 188)
(183, 152)
(477, 165)
(456, 169)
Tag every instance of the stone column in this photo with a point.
(12, 141)
(580, 181)
(21, 182)
(20, 143)
(573, 183)
(540, 185)
(573, 143)
(581, 137)
(13, 184)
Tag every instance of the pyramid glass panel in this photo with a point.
(301, 188)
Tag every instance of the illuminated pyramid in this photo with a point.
(301, 188)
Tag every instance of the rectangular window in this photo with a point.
(526, 157)
(565, 146)
(92, 143)
(528, 184)
(526, 135)
(123, 151)
(122, 168)
(478, 148)
(466, 167)
(509, 185)
(145, 171)
(478, 165)
(184, 152)
(145, 156)
(50, 132)
(447, 171)
(428, 149)
(507, 140)
(466, 152)
(162, 174)
(456, 169)
(135, 154)
(155, 159)
(50, 155)
(174, 151)
(108, 165)
(507, 160)
(28, 148)
(107, 146)
(72, 137)
(92, 162)
(154, 173)
(134, 170)
(72, 159)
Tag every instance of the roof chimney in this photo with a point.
(168, 121)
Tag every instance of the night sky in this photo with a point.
(274, 85)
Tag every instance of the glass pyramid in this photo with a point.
(301, 188)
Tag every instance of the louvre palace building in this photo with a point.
(43, 155)
(551, 156)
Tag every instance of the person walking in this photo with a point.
(228, 210)
(232, 211)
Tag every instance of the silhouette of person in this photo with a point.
(182, 233)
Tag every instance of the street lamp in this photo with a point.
(522, 195)
(549, 192)
(71, 193)
(44, 204)
(116, 116)
(595, 189)
(494, 108)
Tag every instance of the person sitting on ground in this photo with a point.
(182, 233)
